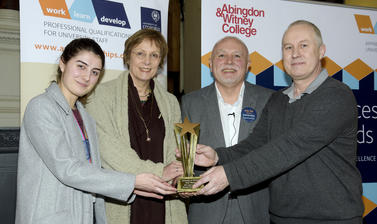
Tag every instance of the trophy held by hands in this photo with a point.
(186, 136)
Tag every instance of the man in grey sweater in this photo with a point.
(305, 143)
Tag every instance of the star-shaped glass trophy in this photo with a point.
(186, 135)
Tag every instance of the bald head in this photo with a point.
(230, 38)
(229, 62)
(317, 32)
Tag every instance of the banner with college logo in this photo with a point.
(46, 26)
(350, 35)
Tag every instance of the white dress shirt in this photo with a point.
(230, 117)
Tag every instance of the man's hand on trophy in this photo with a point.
(205, 156)
(215, 180)
(172, 170)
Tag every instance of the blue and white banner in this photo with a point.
(46, 26)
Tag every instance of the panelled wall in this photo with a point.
(9, 111)
(9, 68)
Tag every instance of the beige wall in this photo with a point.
(10, 68)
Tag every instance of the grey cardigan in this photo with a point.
(54, 177)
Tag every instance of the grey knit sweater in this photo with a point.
(307, 149)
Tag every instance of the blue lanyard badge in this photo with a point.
(249, 114)
(87, 151)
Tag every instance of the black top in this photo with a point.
(146, 210)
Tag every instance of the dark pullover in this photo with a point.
(307, 149)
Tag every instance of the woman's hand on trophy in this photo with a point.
(172, 170)
(150, 185)
(205, 156)
(148, 194)
(215, 180)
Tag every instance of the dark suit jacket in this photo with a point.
(201, 106)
